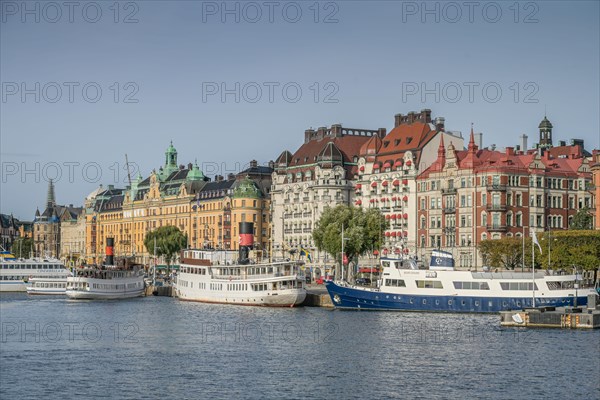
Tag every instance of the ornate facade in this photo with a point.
(179, 196)
(471, 195)
(319, 174)
(387, 172)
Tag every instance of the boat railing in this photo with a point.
(254, 276)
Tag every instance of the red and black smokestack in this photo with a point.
(246, 241)
(110, 245)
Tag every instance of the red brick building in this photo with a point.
(475, 194)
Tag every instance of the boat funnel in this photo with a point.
(246, 241)
(110, 245)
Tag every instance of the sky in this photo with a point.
(85, 83)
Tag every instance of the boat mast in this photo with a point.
(131, 199)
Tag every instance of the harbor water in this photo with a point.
(159, 347)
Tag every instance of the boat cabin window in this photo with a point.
(471, 285)
(395, 282)
(385, 264)
(429, 284)
(517, 286)
(561, 285)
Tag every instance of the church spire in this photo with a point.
(50, 198)
(472, 147)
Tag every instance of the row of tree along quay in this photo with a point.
(579, 249)
(352, 231)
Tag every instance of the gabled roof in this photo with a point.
(404, 137)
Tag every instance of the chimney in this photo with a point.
(110, 244)
(510, 151)
(562, 143)
(253, 164)
(321, 132)
(230, 177)
(381, 132)
(439, 123)
(246, 241)
(218, 178)
(479, 140)
(336, 130)
(426, 115)
(411, 117)
(523, 143)
(308, 135)
(397, 120)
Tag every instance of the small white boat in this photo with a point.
(108, 282)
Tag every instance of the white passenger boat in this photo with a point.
(15, 272)
(404, 287)
(244, 282)
(106, 282)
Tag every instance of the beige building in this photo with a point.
(317, 175)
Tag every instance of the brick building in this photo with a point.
(475, 194)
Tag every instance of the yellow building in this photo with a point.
(208, 212)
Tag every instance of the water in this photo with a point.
(159, 347)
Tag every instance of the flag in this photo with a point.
(305, 253)
(535, 241)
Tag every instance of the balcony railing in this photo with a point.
(495, 187)
(449, 210)
(496, 228)
(449, 191)
(495, 207)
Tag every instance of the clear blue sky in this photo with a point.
(372, 57)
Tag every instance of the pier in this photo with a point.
(317, 296)
(586, 317)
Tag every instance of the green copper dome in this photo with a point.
(195, 174)
(247, 189)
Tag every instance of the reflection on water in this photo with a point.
(158, 347)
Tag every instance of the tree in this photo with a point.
(362, 231)
(169, 242)
(22, 247)
(583, 220)
(502, 253)
(567, 249)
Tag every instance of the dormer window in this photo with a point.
(408, 140)
(396, 142)
(386, 143)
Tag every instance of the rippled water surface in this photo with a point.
(158, 347)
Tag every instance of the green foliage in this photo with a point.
(583, 220)
(363, 231)
(169, 242)
(567, 249)
(504, 253)
(22, 247)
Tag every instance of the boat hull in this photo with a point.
(13, 286)
(346, 297)
(95, 295)
(289, 298)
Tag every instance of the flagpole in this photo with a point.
(533, 269)
(523, 258)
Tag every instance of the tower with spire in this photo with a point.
(545, 128)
